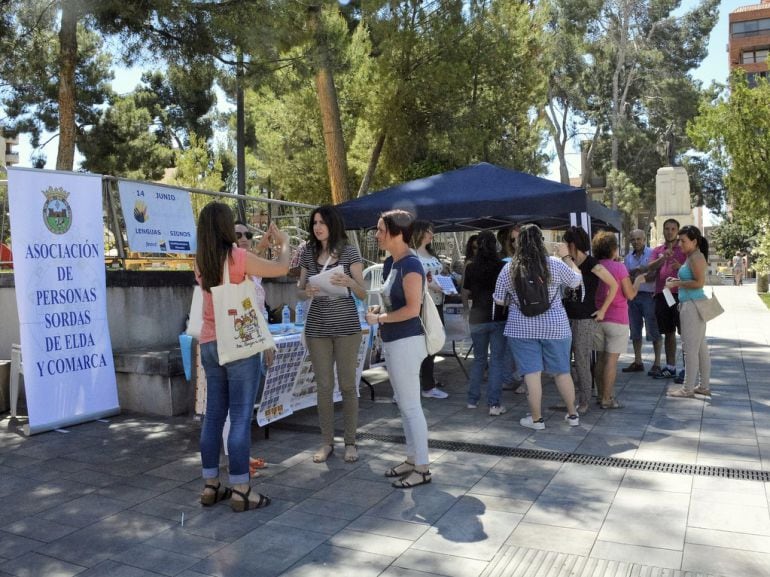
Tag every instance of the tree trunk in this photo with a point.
(375, 158)
(68, 53)
(336, 157)
(558, 130)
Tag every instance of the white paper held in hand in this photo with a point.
(670, 300)
(323, 282)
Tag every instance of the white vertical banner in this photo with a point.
(58, 247)
(159, 218)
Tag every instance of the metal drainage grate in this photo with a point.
(619, 462)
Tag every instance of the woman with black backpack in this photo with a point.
(538, 330)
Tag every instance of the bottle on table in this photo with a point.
(299, 313)
(286, 316)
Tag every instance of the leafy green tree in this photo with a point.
(630, 86)
(733, 127)
(198, 166)
(47, 87)
(122, 143)
(734, 235)
(707, 183)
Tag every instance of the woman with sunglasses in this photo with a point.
(422, 237)
(244, 240)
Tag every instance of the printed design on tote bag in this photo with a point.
(246, 325)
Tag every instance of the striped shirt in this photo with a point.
(331, 316)
(553, 323)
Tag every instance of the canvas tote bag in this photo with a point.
(241, 329)
(435, 336)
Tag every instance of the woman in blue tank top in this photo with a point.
(692, 277)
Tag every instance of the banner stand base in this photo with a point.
(30, 430)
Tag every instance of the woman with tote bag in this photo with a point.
(231, 386)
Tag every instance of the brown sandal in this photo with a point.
(244, 504)
(217, 493)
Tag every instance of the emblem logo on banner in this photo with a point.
(57, 212)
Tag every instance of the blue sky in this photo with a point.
(714, 67)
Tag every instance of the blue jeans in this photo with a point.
(488, 342)
(231, 387)
(641, 310)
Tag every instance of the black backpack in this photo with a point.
(532, 292)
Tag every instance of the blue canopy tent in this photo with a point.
(483, 196)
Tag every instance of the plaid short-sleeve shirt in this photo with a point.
(553, 323)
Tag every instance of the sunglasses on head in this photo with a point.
(248, 235)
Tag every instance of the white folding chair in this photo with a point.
(373, 278)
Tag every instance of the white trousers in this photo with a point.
(403, 358)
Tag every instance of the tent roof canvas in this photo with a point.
(476, 197)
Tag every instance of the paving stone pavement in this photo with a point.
(120, 497)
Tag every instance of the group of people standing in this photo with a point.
(595, 302)
(587, 309)
(677, 267)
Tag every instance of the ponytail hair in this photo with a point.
(693, 233)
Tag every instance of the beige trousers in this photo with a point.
(325, 353)
(697, 360)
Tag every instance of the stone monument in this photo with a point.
(672, 199)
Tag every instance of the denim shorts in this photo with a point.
(537, 355)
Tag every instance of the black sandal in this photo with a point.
(404, 484)
(209, 499)
(398, 472)
(244, 504)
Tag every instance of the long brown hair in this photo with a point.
(420, 229)
(530, 257)
(216, 236)
(337, 236)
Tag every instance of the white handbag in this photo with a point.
(241, 329)
(435, 336)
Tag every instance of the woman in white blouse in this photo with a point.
(422, 237)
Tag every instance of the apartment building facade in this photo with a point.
(749, 40)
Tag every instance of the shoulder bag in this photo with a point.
(435, 336)
(241, 329)
(709, 308)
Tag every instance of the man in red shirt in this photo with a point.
(664, 263)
